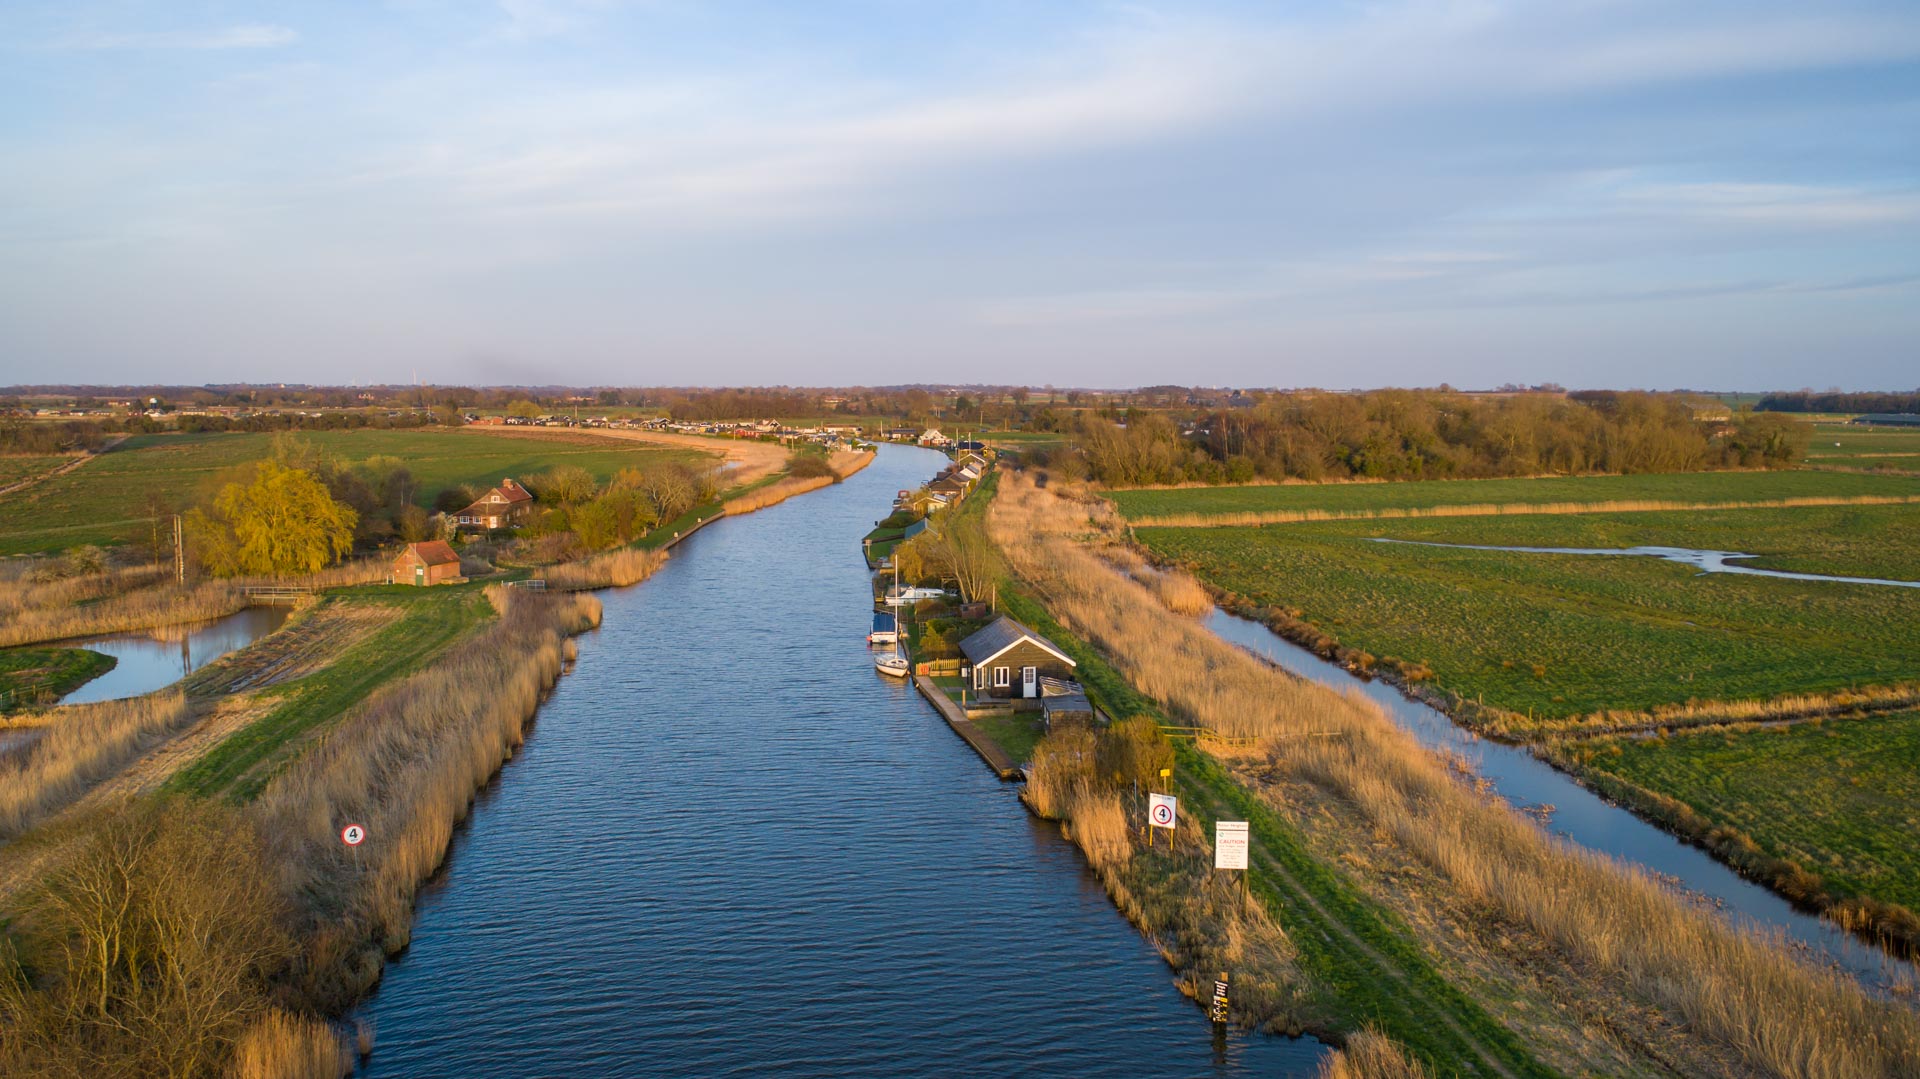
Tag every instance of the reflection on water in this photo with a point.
(1707, 561)
(1577, 813)
(729, 847)
(149, 661)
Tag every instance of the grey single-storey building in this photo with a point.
(1008, 659)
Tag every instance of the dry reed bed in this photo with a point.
(611, 569)
(406, 764)
(1198, 927)
(1370, 1055)
(1247, 518)
(83, 745)
(846, 462)
(1738, 988)
(1792, 707)
(282, 1045)
(146, 609)
(21, 594)
(776, 492)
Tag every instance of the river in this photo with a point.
(729, 847)
(1580, 815)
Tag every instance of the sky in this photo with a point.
(1600, 193)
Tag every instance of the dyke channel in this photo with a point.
(1581, 816)
(730, 847)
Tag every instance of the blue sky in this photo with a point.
(1595, 192)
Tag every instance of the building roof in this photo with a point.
(513, 491)
(1001, 634)
(433, 553)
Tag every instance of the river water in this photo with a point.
(729, 847)
(147, 662)
(1580, 815)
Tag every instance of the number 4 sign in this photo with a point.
(353, 835)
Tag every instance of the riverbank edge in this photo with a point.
(1888, 926)
(993, 753)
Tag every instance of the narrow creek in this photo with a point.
(1580, 815)
(730, 847)
(1705, 561)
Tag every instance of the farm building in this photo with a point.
(1009, 660)
(1888, 419)
(502, 507)
(427, 563)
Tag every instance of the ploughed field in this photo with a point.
(1193, 505)
(1558, 635)
(1839, 798)
(104, 501)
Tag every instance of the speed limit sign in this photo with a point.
(353, 835)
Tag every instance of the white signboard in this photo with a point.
(1162, 810)
(353, 835)
(1230, 844)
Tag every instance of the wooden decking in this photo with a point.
(989, 750)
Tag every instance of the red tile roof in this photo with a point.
(434, 552)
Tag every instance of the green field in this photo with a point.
(103, 501)
(1841, 799)
(1564, 635)
(14, 468)
(431, 619)
(1846, 444)
(1364, 497)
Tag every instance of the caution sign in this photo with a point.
(1230, 844)
(1218, 1009)
(1162, 810)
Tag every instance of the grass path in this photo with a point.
(240, 766)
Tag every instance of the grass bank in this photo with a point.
(1823, 813)
(40, 676)
(1277, 503)
(1364, 783)
(1531, 644)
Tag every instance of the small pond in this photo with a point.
(153, 659)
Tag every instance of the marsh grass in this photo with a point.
(611, 569)
(1371, 1055)
(282, 1045)
(777, 492)
(1498, 509)
(1740, 989)
(406, 764)
(83, 744)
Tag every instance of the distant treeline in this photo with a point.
(45, 439)
(1840, 402)
(1413, 434)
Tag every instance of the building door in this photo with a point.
(1029, 681)
(420, 576)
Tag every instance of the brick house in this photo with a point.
(503, 507)
(427, 563)
(1009, 660)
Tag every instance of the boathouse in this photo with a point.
(427, 563)
(1009, 660)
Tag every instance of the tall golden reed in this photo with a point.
(1781, 1015)
(406, 765)
(83, 744)
(1496, 509)
(611, 569)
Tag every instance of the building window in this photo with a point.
(1002, 677)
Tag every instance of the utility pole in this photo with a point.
(179, 552)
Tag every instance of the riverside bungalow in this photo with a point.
(1008, 660)
(425, 564)
(502, 507)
